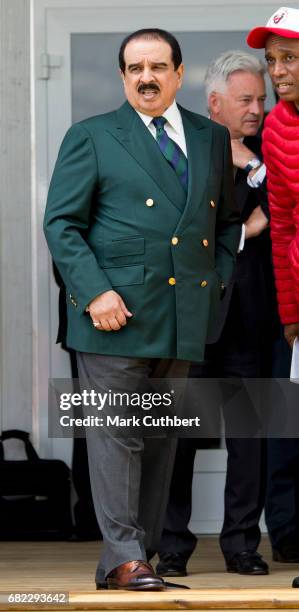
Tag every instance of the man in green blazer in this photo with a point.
(141, 224)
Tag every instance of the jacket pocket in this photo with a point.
(124, 251)
(125, 275)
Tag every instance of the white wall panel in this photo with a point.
(15, 216)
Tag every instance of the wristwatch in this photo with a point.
(254, 163)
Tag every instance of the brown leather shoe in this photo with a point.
(135, 576)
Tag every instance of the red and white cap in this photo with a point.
(284, 22)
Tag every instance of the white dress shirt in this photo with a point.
(256, 180)
(173, 126)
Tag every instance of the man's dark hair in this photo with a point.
(152, 34)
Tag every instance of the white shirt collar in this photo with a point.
(172, 114)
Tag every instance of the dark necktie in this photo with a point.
(172, 152)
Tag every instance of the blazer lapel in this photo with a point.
(131, 132)
(198, 140)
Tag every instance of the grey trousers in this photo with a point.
(130, 475)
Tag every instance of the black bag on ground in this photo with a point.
(34, 495)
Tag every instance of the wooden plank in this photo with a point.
(173, 599)
(195, 599)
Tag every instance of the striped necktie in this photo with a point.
(172, 152)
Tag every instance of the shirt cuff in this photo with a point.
(242, 239)
(256, 180)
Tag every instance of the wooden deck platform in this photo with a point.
(36, 567)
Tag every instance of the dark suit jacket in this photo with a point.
(252, 283)
(103, 233)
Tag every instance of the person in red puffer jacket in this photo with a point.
(280, 37)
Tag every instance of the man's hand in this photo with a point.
(241, 154)
(108, 311)
(291, 332)
(256, 223)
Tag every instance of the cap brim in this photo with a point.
(258, 36)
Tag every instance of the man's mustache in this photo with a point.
(143, 87)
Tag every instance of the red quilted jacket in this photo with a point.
(281, 155)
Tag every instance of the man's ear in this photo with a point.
(214, 103)
(180, 73)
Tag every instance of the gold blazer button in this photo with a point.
(174, 240)
(205, 242)
(149, 202)
(73, 301)
(212, 204)
(171, 281)
(203, 283)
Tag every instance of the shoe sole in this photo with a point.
(172, 574)
(148, 587)
(255, 573)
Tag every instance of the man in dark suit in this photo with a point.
(242, 339)
(141, 224)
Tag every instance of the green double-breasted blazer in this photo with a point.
(114, 207)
